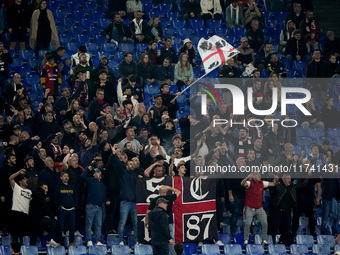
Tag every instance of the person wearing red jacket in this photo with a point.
(50, 77)
(253, 203)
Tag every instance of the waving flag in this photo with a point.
(214, 52)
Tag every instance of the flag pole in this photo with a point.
(193, 83)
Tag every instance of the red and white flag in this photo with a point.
(214, 52)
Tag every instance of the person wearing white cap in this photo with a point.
(189, 50)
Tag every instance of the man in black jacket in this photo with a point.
(296, 48)
(159, 228)
(41, 216)
(117, 31)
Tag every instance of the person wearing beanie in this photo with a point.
(296, 48)
(50, 77)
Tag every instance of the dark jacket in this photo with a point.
(331, 46)
(167, 53)
(159, 226)
(312, 67)
(123, 30)
(38, 206)
(65, 196)
(188, 7)
(145, 30)
(273, 142)
(164, 73)
(96, 190)
(257, 39)
(281, 190)
(295, 47)
(146, 72)
(297, 19)
(126, 69)
(51, 177)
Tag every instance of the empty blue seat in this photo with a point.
(61, 13)
(71, 47)
(149, 7)
(60, 250)
(26, 54)
(258, 239)
(143, 249)
(214, 23)
(78, 13)
(276, 249)
(178, 24)
(321, 249)
(202, 32)
(104, 22)
(301, 64)
(304, 140)
(210, 249)
(239, 239)
(76, 29)
(86, 22)
(64, 38)
(232, 249)
(316, 132)
(238, 32)
(26, 240)
(5, 250)
(254, 249)
(336, 248)
(98, 249)
(91, 47)
(77, 250)
(108, 46)
(221, 31)
(72, 5)
(32, 78)
(196, 23)
(151, 89)
(169, 31)
(141, 47)
(6, 240)
(164, 7)
(124, 47)
(171, 15)
(99, 38)
(305, 239)
(90, 5)
(82, 38)
(104, 53)
(120, 249)
(29, 250)
(333, 132)
(189, 248)
(112, 240)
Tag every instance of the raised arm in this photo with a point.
(13, 176)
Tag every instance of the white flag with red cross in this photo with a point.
(214, 52)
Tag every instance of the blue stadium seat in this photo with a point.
(26, 240)
(26, 54)
(108, 46)
(210, 249)
(305, 239)
(184, 32)
(178, 24)
(77, 250)
(86, 22)
(333, 132)
(104, 22)
(112, 240)
(65, 38)
(124, 47)
(78, 13)
(72, 5)
(299, 131)
(202, 32)
(99, 38)
(304, 140)
(91, 47)
(61, 13)
(275, 32)
(82, 38)
(189, 248)
(104, 53)
(98, 249)
(239, 239)
(232, 249)
(141, 47)
(221, 31)
(90, 6)
(329, 138)
(120, 249)
(264, 73)
(168, 31)
(61, 28)
(336, 248)
(32, 78)
(164, 7)
(254, 249)
(225, 238)
(238, 32)
(258, 239)
(29, 250)
(196, 23)
(17, 63)
(60, 250)
(149, 7)
(76, 29)
(276, 249)
(299, 64)
(172, 15)
(214, 23)
(155, 13)
(230, 39)
(5, 250)
(143, 249)
(71, 47)
(119, 56)
(69, 21)
(316, 132)
(151, 89)
(321, 249)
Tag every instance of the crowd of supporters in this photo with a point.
(75, 156)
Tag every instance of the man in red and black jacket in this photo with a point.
(50, 77)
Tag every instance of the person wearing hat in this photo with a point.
(66, 200)
(95, 204)
(106, 81)
(50, 76)
(296, 48)
(159, 228)
(189, 50)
